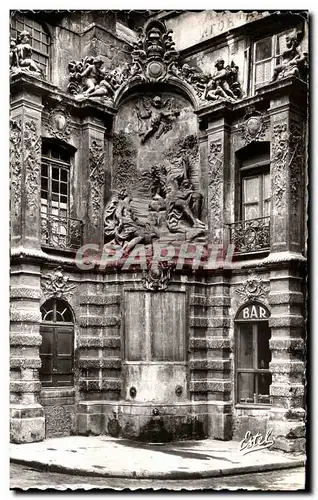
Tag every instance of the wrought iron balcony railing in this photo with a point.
(61, 232)
(250, 235)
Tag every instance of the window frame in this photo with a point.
(259, 169)
(274, 59)
(239, 323)
(54, 328)
(50, 162)
(27, 21)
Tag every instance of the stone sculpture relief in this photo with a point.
(293, 63)
(121, 223)
(253, 288)
(159, 114)
(16, 164)
(21, 56)
(32, 162)
(154, 59)
(224, 83)
(215, 160)
(96, 177)
(173, 211)
(297, 154)
(254, 126)
(57, 285)
(279, 158)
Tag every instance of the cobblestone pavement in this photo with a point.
(279, 480)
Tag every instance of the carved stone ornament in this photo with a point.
(173, 211)
(16, 164)
(154, 59)
(253, 288)
(21, 56)
(32, 165)
(156, 278)
(96, 177)
(297, 155)
(293, 63)
(215, 160)
(224, 84)
(58, 123)
(254, 126)
(57, 285)
(279, 161)
(159, 114)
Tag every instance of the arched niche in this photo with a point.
(171, 145)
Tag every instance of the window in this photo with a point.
(56, 350)
(267, 54)
(253, 377)
(55, 195)
(256, 195)
(40, 40)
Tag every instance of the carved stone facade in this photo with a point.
(166, 147)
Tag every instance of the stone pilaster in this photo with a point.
(27, 417)
(287, 415)
(93, 175)
(219, 384)
(25, 161)
(27, 422)
(218, 152)
(288, 163)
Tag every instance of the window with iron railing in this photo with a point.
(58, 228)
(267, 54)
(251, 230)
(40, 39)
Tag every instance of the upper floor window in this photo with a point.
(267, 54)
(40, 40)
(250, 232)
(55, 181)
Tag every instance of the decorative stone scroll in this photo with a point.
(293, 63)
(16, 164)
(32, 162)
(57, 285)
(215, 160)
(253, 288)
(154, 59)
(21, 56)
(96, 177)
(297, 148)
(279, 160)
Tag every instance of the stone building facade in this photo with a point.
(151, 129)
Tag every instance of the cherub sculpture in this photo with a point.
(161, 113)
(293, 62)
(223, 84)
(21, 55)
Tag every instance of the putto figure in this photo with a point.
(161, 114)
(21, 55)
(293, 62)
(224, 83)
